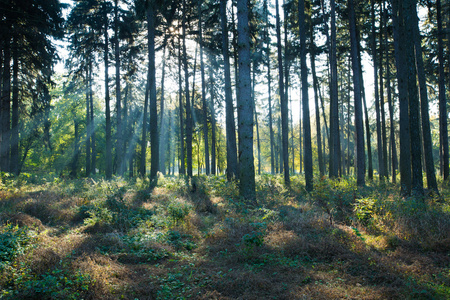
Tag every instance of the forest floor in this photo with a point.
(123, 239)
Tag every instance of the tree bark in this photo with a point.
(426, 131)
(360, 156)
(308, 163)
(204, 105)
(334, 102)
(108, 156)
(283, 101)
(229, 110)
(245, 106)
(443, 122)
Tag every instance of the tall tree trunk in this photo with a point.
(88, 125)
(382, 102)
(229, 111)
(443, 122)
(377, 97)
(426, 131)
(163, 121)
(414, 106)
(393, 150)
(269, 89)
(92, 122)
(245, 106)
(187, 97)
(182, 151)
(399, 42)
(14, 162)
(108, 156)
(305, 99)
(5, 112)
(119, 134)
(204, 105)
(258, 144)
(154, 138)
(334, 101)
(360, 156)
(283, 101)
(213, 116)
(316, 101)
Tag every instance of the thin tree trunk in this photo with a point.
(5, 112)
(360, 156)
(163, 122)
(14, 141)
(108, 171)
(189, 127)
(283, 101)
(229, 115)
(305, 99)
(443, 122)
(119, 134)
(88, 125)
(377, 97)
(182, 156)
(258, 144)
(334, 102)
(426, 131)
(316, 102)
(213, 117)
(91, 102)
(204, 105)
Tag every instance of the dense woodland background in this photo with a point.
(295, 149)
(193, 87)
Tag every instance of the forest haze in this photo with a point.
(214, 149)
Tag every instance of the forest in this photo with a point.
(214, 149)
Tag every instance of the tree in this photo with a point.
(283, 102)
(245, 106)
(360, 156)
(334, 101)
(229, 111)
(305, 99)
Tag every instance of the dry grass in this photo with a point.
(175, 242)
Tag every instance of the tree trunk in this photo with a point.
(108, 156)
(88, 126)
(360, 156)
(119, 134)
(92, 123)
(182, 157)
(334, 101)
(229, 111)
(154, 138)
(5, 112)
(400, 35)
(283, 101)
(213, 116)
(305, 99)
(316, 101)
(14, 141)
(377, 97)
(443, 122)
(245, 106)
(163, 121)
(426, 131)
(204, 105)
(414, 106)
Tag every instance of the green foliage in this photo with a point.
(178, 210)
(14, 241)
(364, 208)
(336, 197)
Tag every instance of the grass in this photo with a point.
(124, 239)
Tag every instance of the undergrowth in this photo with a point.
(126, 239)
